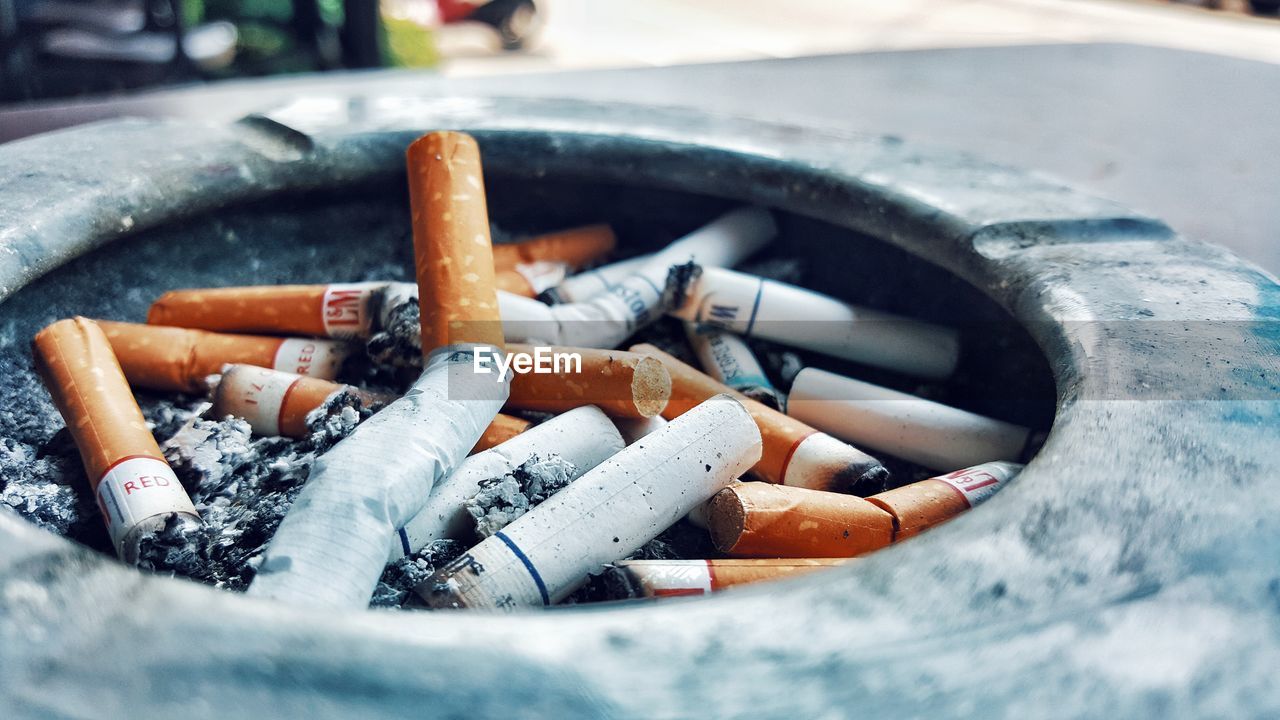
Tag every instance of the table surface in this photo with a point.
(1189, 137)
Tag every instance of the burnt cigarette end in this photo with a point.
(440, 592)
(862, 479)
(679, 279)
(726, 519)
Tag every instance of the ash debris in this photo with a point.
(399, 342)
(402, 576)
(501, 500)
(41, 489)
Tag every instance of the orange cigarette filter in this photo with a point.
(180, 360)
(127, 473)
(502, 429)
(921, 505)
(338, 310)
(670, 578)
(576, 247)
(452, 249)
(622, 384)
(275, 402)
(755, 519)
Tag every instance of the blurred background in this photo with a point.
(65, 48)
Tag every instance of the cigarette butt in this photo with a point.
(337, 310)
(179, 359)
(134, 486)
(921, 505)
(762, 520)
(726, 357)
(673, 578)
(588, 284)
(623, 384)
(273, 402)
(786, 314)
(605, 515)
(453, 254)
(530, 279)
(502, 429)
(584, 437)
(912, 428)
(574, 247)
(723, 242)
(794, 453)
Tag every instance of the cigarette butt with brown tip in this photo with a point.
(574, 247)
(530, 279)
(502, 429)
(275, 402)
(921, 505)
(673, 578)
(453, 253)
(336, 310)
(762, 520)
(622, 384)
(794, 453)
(179, 359)
(134, 486)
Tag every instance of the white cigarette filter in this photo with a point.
(584, 436)
(606, 515)
(334, 542)
(786, 314)
(922, 431)
(674, 578)
(726, 357)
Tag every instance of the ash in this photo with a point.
(403, 575)
(241, 485)
(501, 500)
(399, 342)
(41, 488)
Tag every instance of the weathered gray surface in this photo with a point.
(1129, 572)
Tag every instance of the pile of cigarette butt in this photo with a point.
(492, 436)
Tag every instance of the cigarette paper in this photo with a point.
(273, 402)
(134, 486)
(753, 519)
(794, 453)
(334, 541)
(530, 279)
(453, 255)
(724, 242)
(574, 247)
(672, 578)
(726, 357)
(921, 505)
(588, 284)
(339, 310)
(912, 428)
(179, 359)
(584, 437)
(623, 384)
(755, 307)
(606, 515)
(502, 429)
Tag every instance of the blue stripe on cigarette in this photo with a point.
(533, 572)
(755, 307)
(404, 541)
(749, 381)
